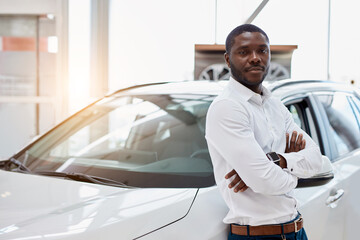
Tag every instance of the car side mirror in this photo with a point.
(325, 175)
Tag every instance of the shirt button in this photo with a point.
(291, 169)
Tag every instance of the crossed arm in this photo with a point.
(295, 144)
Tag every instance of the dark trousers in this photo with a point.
(300, 235)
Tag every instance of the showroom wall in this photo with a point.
(153, 41)
(25, 75)
(31, 96)
(156, 42)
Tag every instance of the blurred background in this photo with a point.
(56, 56)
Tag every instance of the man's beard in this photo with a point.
(238, 76)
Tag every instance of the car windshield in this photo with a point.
(141, 141)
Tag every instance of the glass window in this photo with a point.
(294, 110)
(344, 128)
(302, 116)
(143, 141)
(355, 103)
(28, 46)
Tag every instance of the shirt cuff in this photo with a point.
(291, 161)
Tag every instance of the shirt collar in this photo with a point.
(247, 94)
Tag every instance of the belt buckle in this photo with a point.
(295, 222)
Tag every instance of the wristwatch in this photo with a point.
(273, 156)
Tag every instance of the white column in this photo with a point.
(99, 48)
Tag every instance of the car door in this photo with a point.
(342, 110)
(323, 220)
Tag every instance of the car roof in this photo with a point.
(284, 87)
(180, 87)
(206, 87)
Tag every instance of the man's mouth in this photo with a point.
(255, 69)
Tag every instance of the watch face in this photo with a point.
(273, 156)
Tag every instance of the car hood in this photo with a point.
(37, 207)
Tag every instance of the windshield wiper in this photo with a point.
(20, 166)
(84, 178)
(73, 176)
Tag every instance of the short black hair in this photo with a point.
(239, 30)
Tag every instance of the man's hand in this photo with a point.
(294, 145)
(237, 182)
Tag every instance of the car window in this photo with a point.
(143, 141)
(303, 117)
(355, 103)
(344, 127)
(295, 112)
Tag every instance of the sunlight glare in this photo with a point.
(79, 54)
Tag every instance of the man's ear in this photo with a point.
(226, 56)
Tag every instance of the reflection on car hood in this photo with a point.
(37, 207)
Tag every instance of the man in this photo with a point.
(244, 124)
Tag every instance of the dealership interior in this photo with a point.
(57, 56)
(113, 96)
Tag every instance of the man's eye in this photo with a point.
(264, 51)
(242, 52)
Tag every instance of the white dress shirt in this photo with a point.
(241, 127)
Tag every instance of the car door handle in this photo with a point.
(332, 200)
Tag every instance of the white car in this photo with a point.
(135, 165)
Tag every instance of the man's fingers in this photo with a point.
(303, 143)
(292, 141)
(235, 181)
(298, 143)
(287, 143)
(244, 188)
(240, 187)
(230, 174)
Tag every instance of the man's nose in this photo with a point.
(254, 57)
